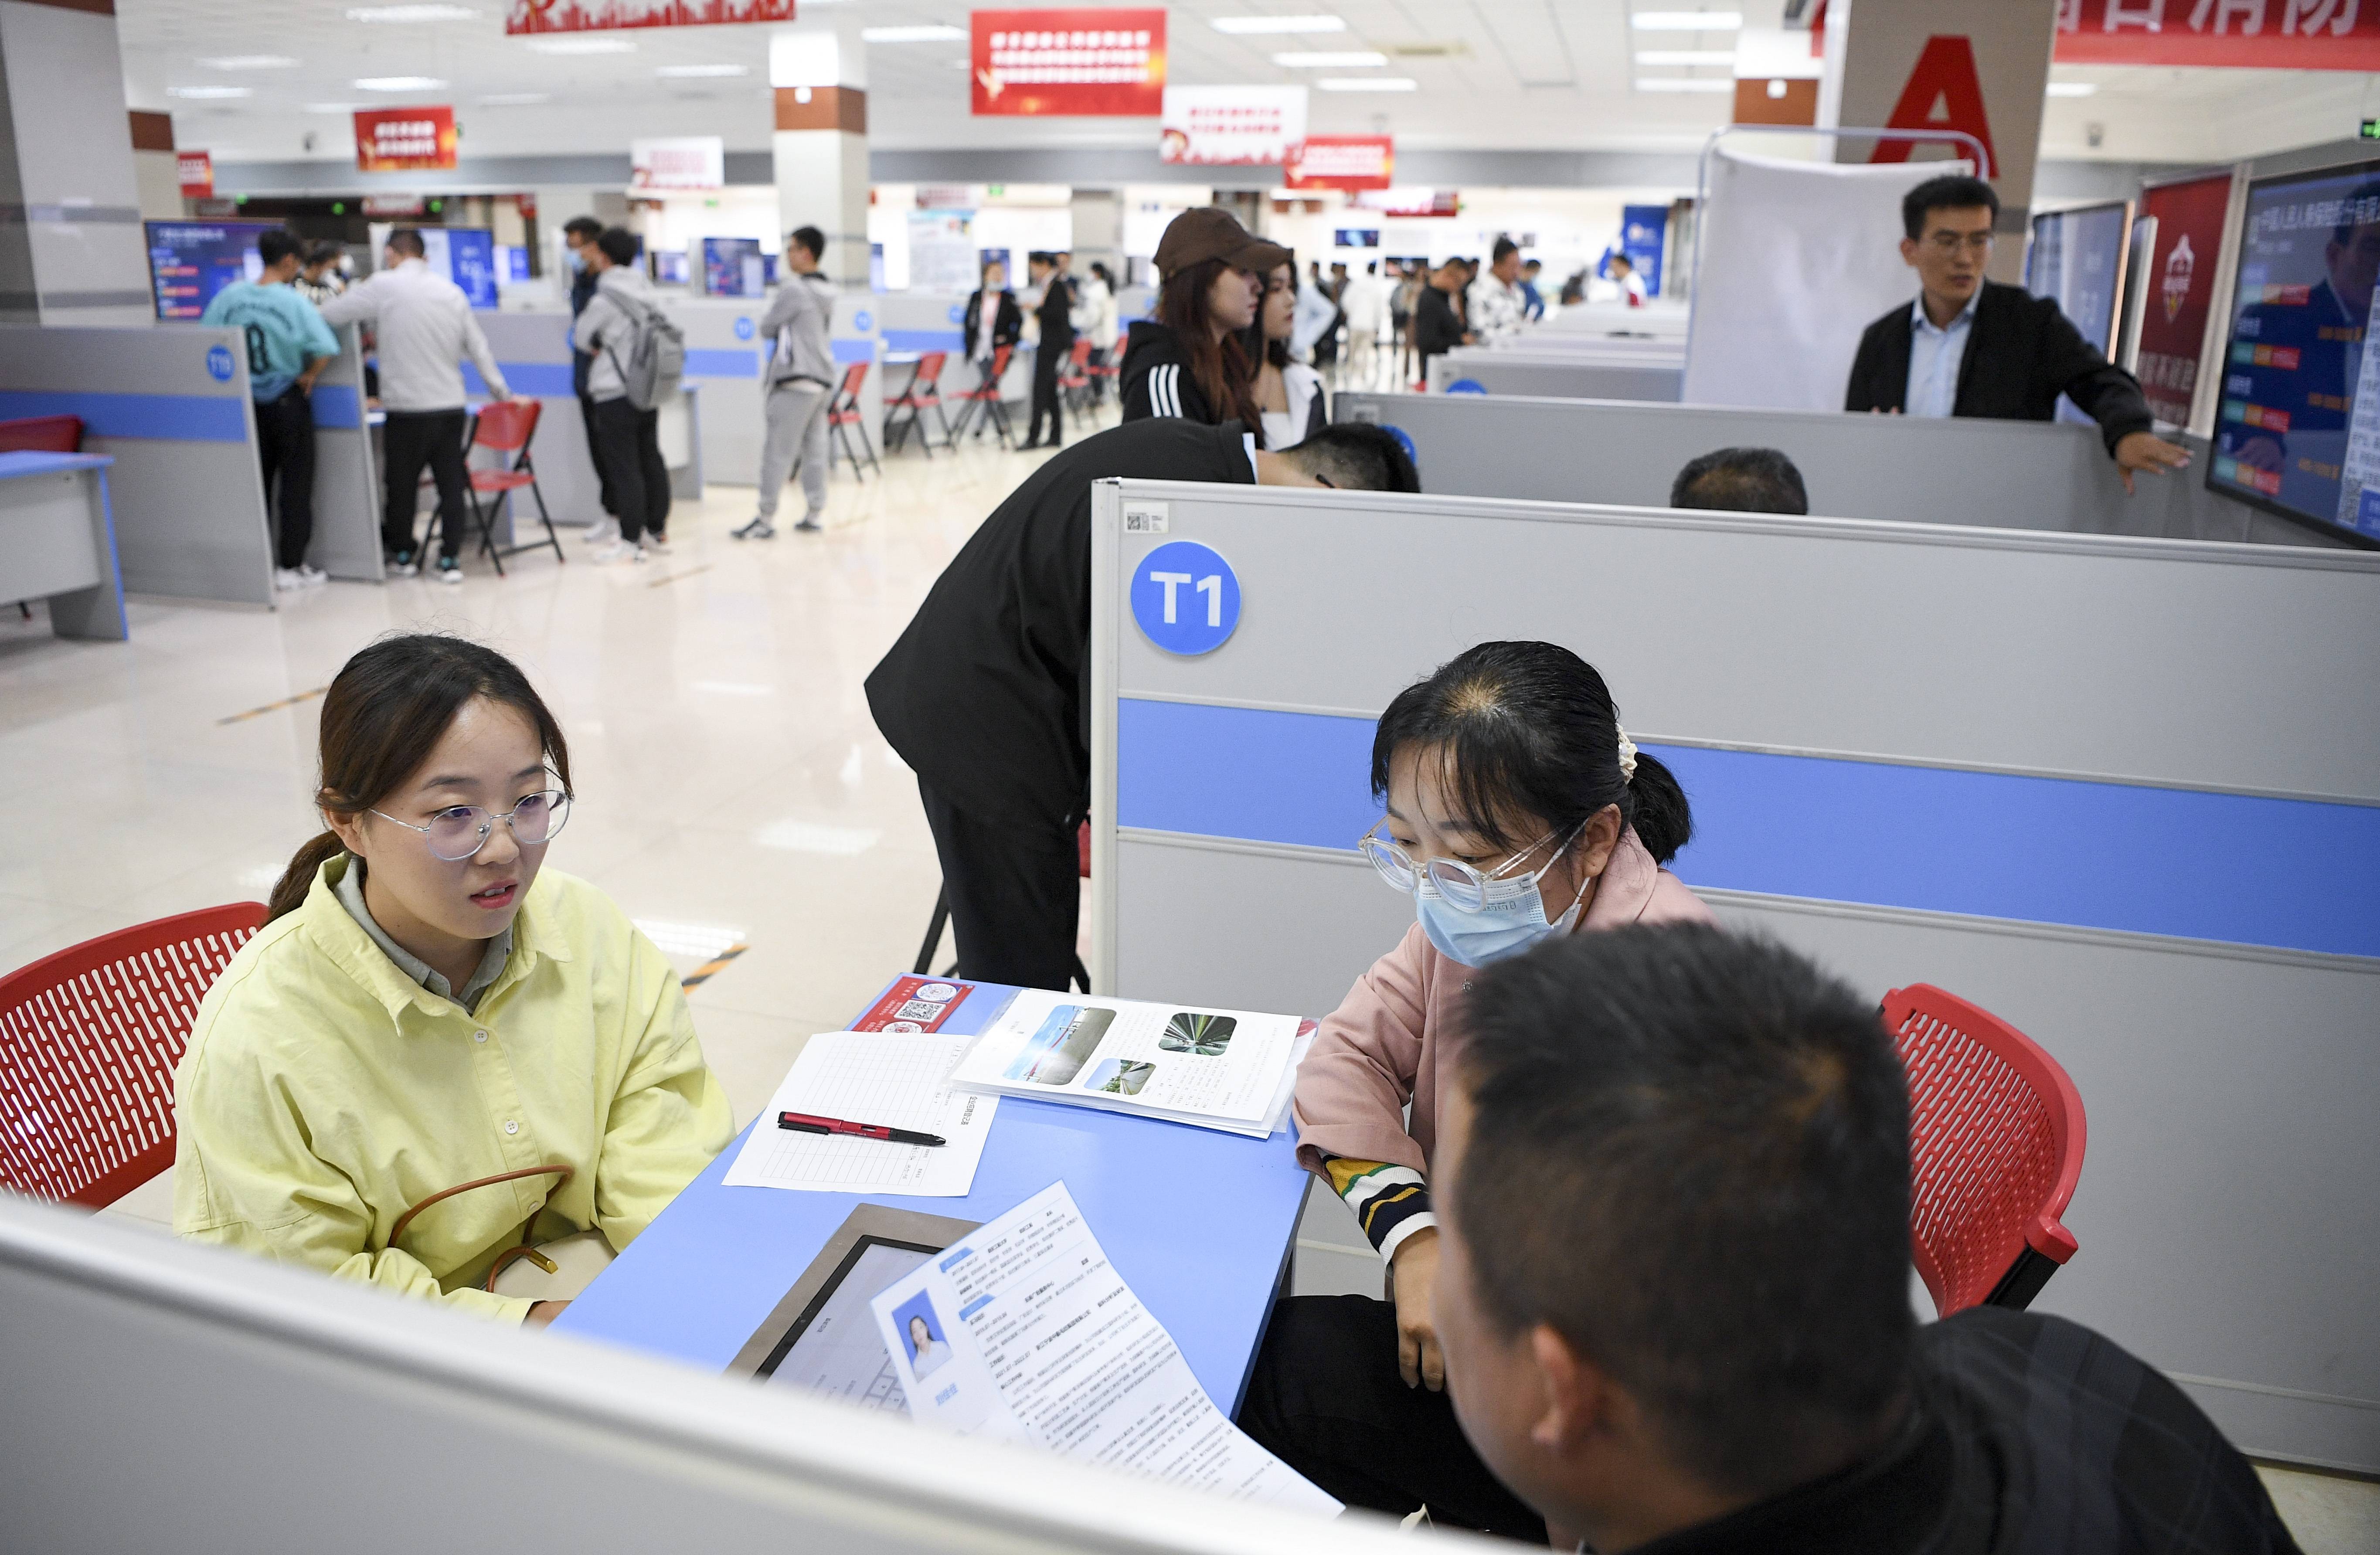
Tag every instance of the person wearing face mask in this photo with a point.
(1191, 360)
(1290, 404)
(1517, 811)
(428, 1009)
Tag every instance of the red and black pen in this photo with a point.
(805, 1123)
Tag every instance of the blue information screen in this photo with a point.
(2077, 260)
(471, 263)
(670, 267)
(189, 261)
(733, 267)
(2296, 429)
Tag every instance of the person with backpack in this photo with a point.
(638, 356)
(801, 377)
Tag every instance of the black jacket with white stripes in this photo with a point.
(1156, 378)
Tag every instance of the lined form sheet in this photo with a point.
(898, 1078)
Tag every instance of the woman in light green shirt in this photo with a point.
(427, 1006)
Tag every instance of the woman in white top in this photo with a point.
(1290, 401)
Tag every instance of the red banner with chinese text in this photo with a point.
(195, 171)
(405, 139)
(606, 16)
(1341, 161)
(2258, 35)
(2181, 278)
(1109, 62)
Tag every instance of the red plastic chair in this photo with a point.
(1996, 1138)
(41, 434)
(942, 916)
(843, 418)
(89, 1039)
(506, 426)
(986, 395)
(922, 393)
(1074, 377)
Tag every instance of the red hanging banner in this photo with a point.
(405, 139)
(196, 173)
(1109, 62)
(2181, 287)
(606, 16)
(2256, 34)
(1341, 161)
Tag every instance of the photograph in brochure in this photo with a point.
(1024, 1331)
(1222, 1069)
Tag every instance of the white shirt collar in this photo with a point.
(1918, 319)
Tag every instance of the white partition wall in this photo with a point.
(171, 406)
(2024, 475)
(346, 471)
(1651, 376)
(2123, 793)
(163, 1395)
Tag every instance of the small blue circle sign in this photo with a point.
(1466, 386)
(958, 314)
(863, 320)
(742, 329)
(219, 363)
(1186, 597)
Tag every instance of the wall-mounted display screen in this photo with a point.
(465, 255)
(731, 267)
(2077, 259)
(189, 261)
(670, 267)
(2297, 427)
(1355, 238)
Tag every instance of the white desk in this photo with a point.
(57, 539)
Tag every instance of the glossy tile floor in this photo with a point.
(732, 788)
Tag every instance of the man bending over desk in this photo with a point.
(1968, 346)
(1674, 1290)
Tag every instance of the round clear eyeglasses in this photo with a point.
(1460, 883)
(459, 831)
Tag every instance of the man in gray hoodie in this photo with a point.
(628, 444)
(801, 377)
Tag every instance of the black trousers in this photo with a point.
(1014, 891)
(602, 476)
(410, 440)
(1046, 363)
(285, 447)
(1326, 1400)
(628, 444)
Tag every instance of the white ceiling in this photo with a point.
(1524, 75)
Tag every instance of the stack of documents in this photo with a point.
(1232, 1070)
(890, 1078)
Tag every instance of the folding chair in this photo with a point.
(89, 1041)
(1075, 378)
(1996, 1138)
(1103, 371)
(986, 395)
(506, 426)
(942, 919)
(843, 418)
(922, 393)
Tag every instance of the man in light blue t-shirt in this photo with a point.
(288, 346)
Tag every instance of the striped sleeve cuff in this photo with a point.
(1390, 1202)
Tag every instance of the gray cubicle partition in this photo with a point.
(171, 406)
(163, 1395)
(2023, 475)
(346, 470)
(1651, 376)
(2124, 792)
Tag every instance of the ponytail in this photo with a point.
(298, 878)
(1662, 821)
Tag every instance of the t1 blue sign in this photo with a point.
(1644, 233)
(1186, 597)
(219, 363)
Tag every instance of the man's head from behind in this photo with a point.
(404, 243)
(283, 253)
(1947, 235)
(1350, 456)
(616, 248)
(1505, 261)
(1741, 481)
(1673, 1193)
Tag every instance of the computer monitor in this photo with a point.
(2077, 259)
(731, 267)
(189, 261)
(465, 255)
(1355, 238)
(2288, 437)
(670, 266)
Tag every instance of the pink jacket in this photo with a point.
(1395, 1035)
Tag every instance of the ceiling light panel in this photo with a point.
(409, 15)
(1685, 57)
(1350, 59)
(1687, 21)
(1245, 25)
(1369, 83)
(210, 91)
(399, 83)
(250, 62)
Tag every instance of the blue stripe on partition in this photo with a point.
(338, 407)
(171, 417)
(2290, 873)
(850, 348)
(723, 364)
(925, 340)
(537, 380)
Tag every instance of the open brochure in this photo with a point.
(1225, 1069)
(1021, 1329)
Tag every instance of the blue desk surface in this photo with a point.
(32, 462)
(1199, 1221)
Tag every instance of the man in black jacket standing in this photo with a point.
(1055, 314)
(579, 235)
(987, 695)
(1969, 346)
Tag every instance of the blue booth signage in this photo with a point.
(219, 363)
(863, 320)
(1466, 386)
(1186, 597)
(742, 329)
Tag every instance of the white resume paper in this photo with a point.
(1025, 1330)
(900, 1079)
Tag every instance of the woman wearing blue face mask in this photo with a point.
(1516, 809)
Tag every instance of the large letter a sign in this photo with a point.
(1942, 93)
